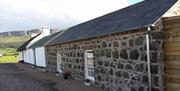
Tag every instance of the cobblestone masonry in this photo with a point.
(117, 58)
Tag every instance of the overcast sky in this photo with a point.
(30, 14)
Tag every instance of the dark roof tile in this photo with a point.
(23, 46)
(135, 16)
(45, 39)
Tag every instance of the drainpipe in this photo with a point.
(148, 57)
(34, 52)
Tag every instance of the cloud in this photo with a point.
(28, 14)
(87, 9)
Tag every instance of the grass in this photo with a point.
(13, 39)
(9, 59)
(9, 55)
(8, 51)
(8, 46)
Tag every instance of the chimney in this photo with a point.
(46, 31)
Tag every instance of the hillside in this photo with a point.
(12, 41)
(8, 46)
(19, 33)
(24, 33)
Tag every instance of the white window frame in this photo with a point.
(59, 61)
(86, 68)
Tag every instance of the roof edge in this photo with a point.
(28, 41)
(133, 30)
(46, 44)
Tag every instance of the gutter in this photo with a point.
(148, 55)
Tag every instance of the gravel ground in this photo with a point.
(13, 79)
(22, 77)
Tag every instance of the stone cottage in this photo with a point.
(120, 51)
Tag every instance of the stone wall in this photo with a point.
(118, 58)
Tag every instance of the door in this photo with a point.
(59, 63)
(40, 57)
(89, 65)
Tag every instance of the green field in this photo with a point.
(8, 51)
(8, 46)
(9, 55)
(9, 59)
(13, 39)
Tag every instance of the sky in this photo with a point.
(60, 14)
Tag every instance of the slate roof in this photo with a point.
(45, 39)
(136, 16)
(23, 46)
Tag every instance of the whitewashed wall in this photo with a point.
(20, 56)
(45, 32)
(29, 56)
(40, 57)
(40, 54)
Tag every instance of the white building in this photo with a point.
(23, 51)
(33, 51)
(37, 51)
(27, 55)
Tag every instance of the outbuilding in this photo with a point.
(22, 49)
(27, 55)
(39, 50)
(123, 50)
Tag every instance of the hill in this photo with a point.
(19, 33)
(23, 32)
(8, 46)
(12, 41)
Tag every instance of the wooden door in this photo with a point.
(172, 53)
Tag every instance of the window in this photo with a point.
(89, 65)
